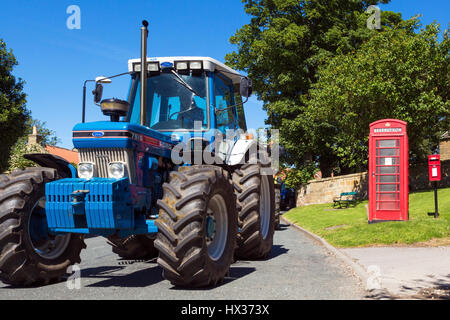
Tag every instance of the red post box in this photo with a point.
(388, 171)
(434, 167)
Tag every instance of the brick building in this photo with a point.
(444, 146)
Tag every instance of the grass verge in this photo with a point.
(349, 227)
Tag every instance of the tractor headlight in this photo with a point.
(181, 65)
(196, 65)
(116, 170)
(85, 170)
(153, 67)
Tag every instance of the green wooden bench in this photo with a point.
(345, 199)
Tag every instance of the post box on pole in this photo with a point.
(434, 172)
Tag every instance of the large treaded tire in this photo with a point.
(182, 221)
(133, 247)
(252, 244)
(20, 264)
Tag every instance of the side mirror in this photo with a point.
(98, 92)
(102, 79)
(246, 87)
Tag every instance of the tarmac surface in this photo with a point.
(412, 272)
(297, 268)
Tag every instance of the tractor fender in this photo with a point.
(239, 150)
(64, 168)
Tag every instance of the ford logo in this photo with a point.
(98, 134)
(167, 64)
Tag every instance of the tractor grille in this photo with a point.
(101, 157)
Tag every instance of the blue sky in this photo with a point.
(54, 61)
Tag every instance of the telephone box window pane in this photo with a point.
(387, 187)
(388, 143)
(387, 197)
(386, 179)
(388, 152)
(387, 170)
(388, 161)
(388, 205)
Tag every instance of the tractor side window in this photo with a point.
(242, 124)
(223, 101)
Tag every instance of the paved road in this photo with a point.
(298, 268)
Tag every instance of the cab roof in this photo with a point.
(209, 64)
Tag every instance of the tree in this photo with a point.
(395, 74)
(13, 111)
(282, 48)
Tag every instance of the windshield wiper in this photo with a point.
(183, 83)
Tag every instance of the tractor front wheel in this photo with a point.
(197, 226)
(29, 255)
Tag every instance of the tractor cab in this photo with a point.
(182, 92)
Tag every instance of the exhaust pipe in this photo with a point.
(144, 35)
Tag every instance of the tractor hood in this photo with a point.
(105, 134)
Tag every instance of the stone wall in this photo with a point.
(324, 190)
(444, 149)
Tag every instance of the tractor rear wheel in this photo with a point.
(29, 255)
(197, 226)
(256, 205)
(133, 247)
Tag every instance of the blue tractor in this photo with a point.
(156, 180)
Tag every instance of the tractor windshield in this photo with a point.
(170, 104)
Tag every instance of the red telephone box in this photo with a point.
(434, 167)
(388, 171)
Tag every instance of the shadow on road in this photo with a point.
(137, 279)
(234, 274)
(282, 227)
(277, 250)
(147, 277)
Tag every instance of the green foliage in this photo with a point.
(17, 161)
(48, 137)
(13, 111)
(396, 74)
(283, 47)
(296, 177)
